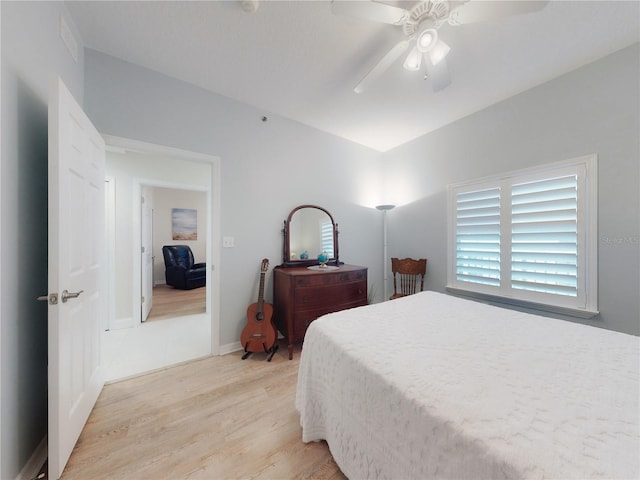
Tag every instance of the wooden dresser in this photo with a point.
(301, 295)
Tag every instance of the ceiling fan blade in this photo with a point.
(438, 74)
(480, 11)
(374, 11)
(382, 66)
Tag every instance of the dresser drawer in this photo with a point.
(301, 322)
(307, 298)
(328, 278)
(303, 319)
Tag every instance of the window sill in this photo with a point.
(572, 312)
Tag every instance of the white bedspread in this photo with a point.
(432, 386)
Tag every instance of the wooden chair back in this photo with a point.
(408, 276)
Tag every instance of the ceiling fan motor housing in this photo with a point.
(433, 12)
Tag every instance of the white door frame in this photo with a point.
(212, 224)
(146, 257)
(110, 233)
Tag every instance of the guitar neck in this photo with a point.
(261, 293)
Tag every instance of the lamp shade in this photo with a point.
(413, 60)
(438, 52)
(385, 207)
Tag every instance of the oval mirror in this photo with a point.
(308, 231)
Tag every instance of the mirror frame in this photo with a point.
(286, 247)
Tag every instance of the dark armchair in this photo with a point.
(180, 270)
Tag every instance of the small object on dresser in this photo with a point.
(323, 258)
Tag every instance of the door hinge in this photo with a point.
(52, 298)
(142, 299)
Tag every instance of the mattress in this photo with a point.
(433, 386)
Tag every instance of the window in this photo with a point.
(326, 232)
(528, 237)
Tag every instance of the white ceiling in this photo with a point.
(298, 60)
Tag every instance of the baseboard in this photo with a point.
(120, 323)
(230, 348)
(235, 346)
(155, 370)
(224, 350)
(35, 463)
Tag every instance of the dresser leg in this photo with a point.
(290, 347)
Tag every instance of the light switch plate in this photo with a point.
(228, 242)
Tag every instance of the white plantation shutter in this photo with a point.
(544, 236)
(326, 231)
(528, 237)
(478, 236)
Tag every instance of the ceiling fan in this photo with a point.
(420, 25)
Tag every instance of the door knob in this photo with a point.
(66, 295)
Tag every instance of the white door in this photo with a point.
(76, 253)
(146, 229)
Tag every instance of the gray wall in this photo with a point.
(267, 169)
(595, 109)
(32, 53)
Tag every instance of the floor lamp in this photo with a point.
(384, 209)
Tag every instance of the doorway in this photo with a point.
(170, 216)
(131, 346)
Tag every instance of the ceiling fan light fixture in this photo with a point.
(438, 52)
(427, 40)
(413, 60)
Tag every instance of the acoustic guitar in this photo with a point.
(260, 334)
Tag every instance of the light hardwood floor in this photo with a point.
(218, 418)
(169, 302)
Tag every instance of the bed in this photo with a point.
(433, 386)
